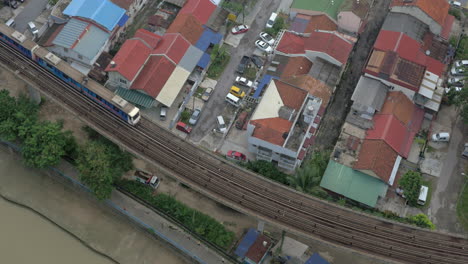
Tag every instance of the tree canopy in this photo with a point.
(461, 100)
(411, 184)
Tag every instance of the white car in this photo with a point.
(262, 45)
(33, 28)
(239, 29)
(441, 137)
(267, 38)
(460, 63)
(243, 81)
(457, 71)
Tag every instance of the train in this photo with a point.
(77, 80)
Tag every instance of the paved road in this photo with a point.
(341, 101)
(444, 198)
(32, 9)
(215, 106)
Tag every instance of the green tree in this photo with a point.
(411, 184)
(268, 170)
(277, 26)
(17, 116)
(461, 100)
(44, 145)
(422, 220)
(305, 178)
(95, 169)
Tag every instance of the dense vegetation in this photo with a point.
(461, 100)
(219, 59)
(202, 224)
(279, 24)
(411, 183)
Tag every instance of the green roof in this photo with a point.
(135, 97)
(324, 6)
(353, 184)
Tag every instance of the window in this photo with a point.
(123, 81)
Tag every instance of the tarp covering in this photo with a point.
(246, 243)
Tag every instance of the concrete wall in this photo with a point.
(114, 80)
(349, 22)
(312, 55)
(435, 27)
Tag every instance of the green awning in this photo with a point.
(135, 97)
(353, 184)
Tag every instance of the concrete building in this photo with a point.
(352, 15)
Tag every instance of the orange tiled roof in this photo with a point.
(378, 157)
(271, 129)
(296, 66)
(399, 105)
(292, 97)
(313, 86)
(320, 22)
(437, 9)
(188, 26)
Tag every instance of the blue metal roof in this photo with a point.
(316, 259)
(246, 243)
(70, 33)
(208, 37)
(103, 12)
(123, 20)
(205, 59)
(262, 84)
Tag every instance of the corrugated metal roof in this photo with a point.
(190, 58)
(246, 242)
(370, 92)
(204, 60)
(104, 12)
(353, 184)
(316, 259)
(208, 37)
(92, 42)
(70, 33)
(135, 97)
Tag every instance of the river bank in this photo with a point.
(79, 214)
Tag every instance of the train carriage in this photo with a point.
(65, 72)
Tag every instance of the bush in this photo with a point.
(202, 224)
(411, 184)
(421, 220)
(455, 12)
(277, 26)
(268, 170)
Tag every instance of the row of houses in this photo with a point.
(401, 85)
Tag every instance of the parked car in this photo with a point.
(236, 155)
(465, 151)
(455, 3)
(441, 137)
(237, 91)
(460, 63)
(271, 20)
(243, 64)
(267, 38)
(195, 116)
(221, 124)
(33, 28)
(241, 120)
(11, 3)
(183, 127)
(163, 113)
(457, 71)
(146, 178)
(239, 29)
(456, 81)
(206, 94)
(262, 45)
(243, 81)
(257, 61)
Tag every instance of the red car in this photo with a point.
(183, 127)
(239, 29)
(236, 155)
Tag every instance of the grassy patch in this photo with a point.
(217, 67)
(199, 91)
(250, 73)
(462, 208)
(462, 51)
(185, 116)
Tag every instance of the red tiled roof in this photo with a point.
(292, 97)
(291, 44)
(378, 157)
(271, 130)
(312, 130)
(154, 75)
(125, 4)
(201, 9)
(329, 43)
(312, 86)
(320, 22)
(301, 154)
(407, 48)
(148, 37)
(188, 26)
(173, 46)
(399, 105)
(436, 9)
(131, 56)
(257, 251)
(447, 27)
(296, 66)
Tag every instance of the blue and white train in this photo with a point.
(107, 99)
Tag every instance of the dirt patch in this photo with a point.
(8, 81)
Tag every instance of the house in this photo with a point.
(353, 184)
(433, 13)
(308, 24)
(283, 125)
(399, 61)
(352, 15)
(329, 46)
(85, 29)
(253, 247)
(132, 7)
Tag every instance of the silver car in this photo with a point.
(262, 45)
(195, 116)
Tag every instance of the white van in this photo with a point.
(232, 99)
(163, 113)
(423, 195)
(221, 124)
(10, 23)
(271, 20)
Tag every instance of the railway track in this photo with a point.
(246, 191)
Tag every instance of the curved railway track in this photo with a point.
(246, 191)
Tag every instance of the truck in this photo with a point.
(243, 64)
(146, 178)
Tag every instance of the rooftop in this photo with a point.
(409, 25)
(294, 66)
(312, 86)
(353, 184)
(154, 75)
(130, 58)
(172, 45)
(348, 145)
(188, 26)
(308, 24)
(103, 12)
(436, 9)
(369, 93)
(201, 9)
(259, 248)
